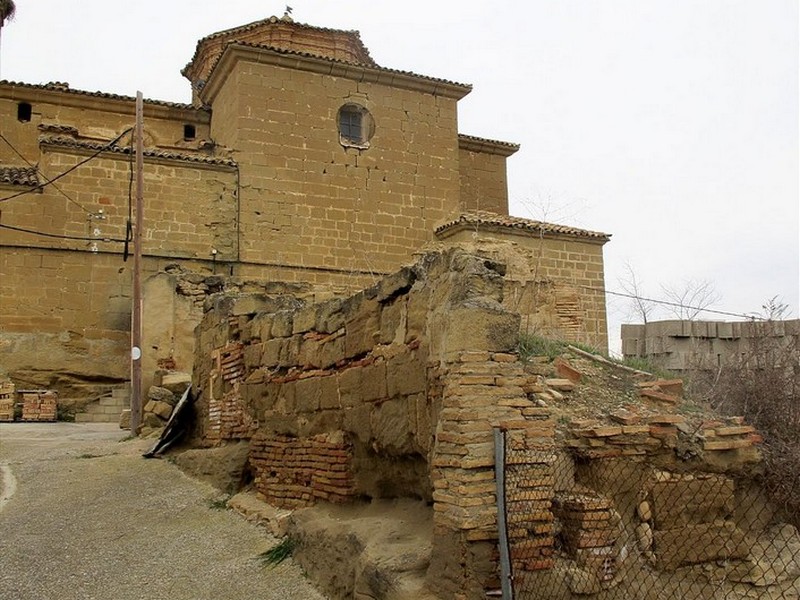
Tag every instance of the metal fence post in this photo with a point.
(506, 576)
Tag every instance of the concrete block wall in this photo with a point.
(686, 345)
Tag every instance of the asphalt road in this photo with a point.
(84, 517)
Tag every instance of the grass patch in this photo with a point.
(530, 345)
(90, 455)
(278, 553)
(220, 503)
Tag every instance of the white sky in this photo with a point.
(671, 124)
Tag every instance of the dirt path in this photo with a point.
(83, 516)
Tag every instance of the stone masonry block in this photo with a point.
(699, 543)
(329, 393)
(309, 393)
(481, 326)
(329, 316)
(373, 382)
(282, 323)
(274, 350)
(682, 502)
(395, 284)
(405, 375)
(304, 319)
(363, 329)
(417, 314)
(356, 420)
(331, 351)
(393, 321)
(350, 386)
(391, 427)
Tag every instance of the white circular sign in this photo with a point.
(136, 353)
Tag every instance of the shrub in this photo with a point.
(762, 384)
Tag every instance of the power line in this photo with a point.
(60, 236)
(672, 304)
(81, 163)
(18, 153)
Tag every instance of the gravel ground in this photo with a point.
(89, 518)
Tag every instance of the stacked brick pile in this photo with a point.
(483, 390)
(39, 405)
(7, 399)
(293, 472)
(590, 528)
(530, 489)
(634, 434)
(729, 433)
(629, 434)
(227, 418)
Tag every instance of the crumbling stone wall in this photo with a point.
(397, 391)
(391, 392)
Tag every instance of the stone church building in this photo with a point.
(299, 162)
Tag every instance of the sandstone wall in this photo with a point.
(309, 201)
(484, 185)
(391, 392)
(555, 283)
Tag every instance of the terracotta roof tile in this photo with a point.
(28, 176)
(64, 88)
(488, 218)
(479, 144)
(466, 86)
(274, 19)
(68, 142)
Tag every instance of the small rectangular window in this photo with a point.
(24, 112)
(189, 132)
(350, 126)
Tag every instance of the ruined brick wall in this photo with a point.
(555, 283)
(409, 377)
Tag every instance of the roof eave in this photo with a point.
(486, 146)
(304, 62)
(15, 90)
(590, 237)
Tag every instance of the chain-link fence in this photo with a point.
(641, 527)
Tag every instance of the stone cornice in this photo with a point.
(486, 146)
(151, 155)
(235, 52)
(63, 96)
(505, 224)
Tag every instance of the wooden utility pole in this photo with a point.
(136, 320)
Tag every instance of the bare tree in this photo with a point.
(640, 307)
(691, 299)
(774, 309)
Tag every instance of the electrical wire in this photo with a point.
(72, 168)
(668, 303)
(58, 189)
(60, 236)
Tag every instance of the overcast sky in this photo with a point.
(671, 124)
